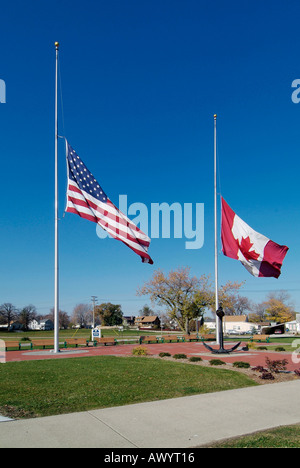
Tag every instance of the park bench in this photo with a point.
(261, 338)
(76, 342)
(148, 339)
(106, 340)
(209, 336)
(43, 343)
(93, 342)
(12, 344)
(171, 338)
(17, 344)
(191, 338)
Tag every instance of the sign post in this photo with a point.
(96, 333)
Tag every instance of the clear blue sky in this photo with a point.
(140, 83)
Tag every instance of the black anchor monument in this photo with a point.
(220, 313)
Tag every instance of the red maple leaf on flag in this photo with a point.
(245, 247)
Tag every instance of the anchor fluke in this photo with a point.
(221, 350)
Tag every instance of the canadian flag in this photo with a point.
(259, 255)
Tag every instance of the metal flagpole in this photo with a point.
(216, 227)
(56, 265)
(219, 311)
(94, 299)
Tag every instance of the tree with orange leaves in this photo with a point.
(185, 297)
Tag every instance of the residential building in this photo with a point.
(151, 321)
(292, 327)
(234, 324)
(43, 324)
(16, 326)
(128, 320)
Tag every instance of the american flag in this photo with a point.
(86, 198)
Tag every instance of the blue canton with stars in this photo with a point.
(85, 180)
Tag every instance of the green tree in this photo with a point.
(146, 311)
(109, 314)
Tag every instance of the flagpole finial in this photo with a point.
(56, 45)
(215, 116)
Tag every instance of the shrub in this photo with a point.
(267, 376)
(140, 351)
(259, 369)
(164, 354)
(216, 362)
(180, 356)
(277, 365)
(195, 359)
(279, 348)
(297, 372)
(262, 348)
(251, 345)
(241, 364)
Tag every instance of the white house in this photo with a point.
(45, 324)
(293, 326)
(234, 324)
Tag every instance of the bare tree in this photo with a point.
(27, 314)
(8, 313)
(230, 299)
(82, 315)
(63, 318)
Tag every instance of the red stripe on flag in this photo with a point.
(98, 208)
(82, 215)
(230, 245)
(273, 257)
(122, 228)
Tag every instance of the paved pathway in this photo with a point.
(178, 423)
(254, 357)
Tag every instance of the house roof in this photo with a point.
(149, 318)
(236, 318)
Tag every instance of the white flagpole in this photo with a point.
(56, 265)
(216, 228)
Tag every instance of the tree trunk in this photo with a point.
(187, 326)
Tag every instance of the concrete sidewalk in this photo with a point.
(176, 423)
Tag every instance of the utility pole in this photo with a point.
(94, 300)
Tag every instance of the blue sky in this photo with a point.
(140, 83)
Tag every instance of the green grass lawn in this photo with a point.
(80, 333)
(280, 437)
(35, 334)
(42, 388)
